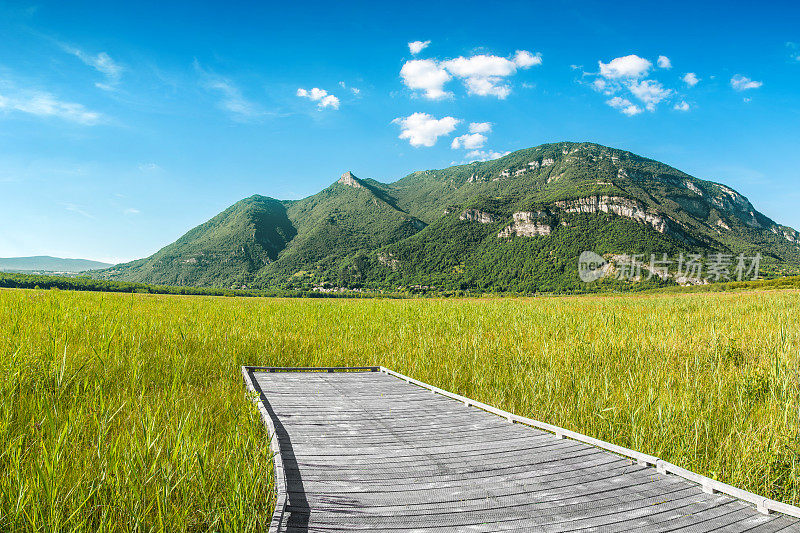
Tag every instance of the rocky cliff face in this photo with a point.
(731, 201)
(526, 224)
(387, 259)
(789, 234)
(474, 215)
(617, 205)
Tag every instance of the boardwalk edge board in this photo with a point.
(279, 474)
(711, 486)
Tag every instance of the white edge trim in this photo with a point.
(279, 475)
(763, 505)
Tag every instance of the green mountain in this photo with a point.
(227, 250)
(517, 223)
(46, 263)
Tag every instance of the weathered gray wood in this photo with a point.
(368, 452)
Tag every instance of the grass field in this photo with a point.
(126, 412)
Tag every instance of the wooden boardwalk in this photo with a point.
(367, 451)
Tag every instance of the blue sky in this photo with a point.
(123, 126)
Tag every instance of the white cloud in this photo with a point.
(473, 140)
(131, 211)
(624, 105)
(426, 75)
(329, 101)
(681, 106)
(470, 141)
(480, 66)
(353, 90)
(102, 63)
(482, 74)
(490, 86)
(690, 79)
(44, 104)
(631, 66)
(416, 47)
(650, 92)
(421, 129)
(627, 74)
(484, 155)
(743, 83)
(320, 96)
(480, 127)
(525, 59)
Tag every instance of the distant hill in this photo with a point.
(45, 263)
(517, 223)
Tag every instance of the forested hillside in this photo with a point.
(517, 223)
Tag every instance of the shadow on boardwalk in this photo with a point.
(297, 505)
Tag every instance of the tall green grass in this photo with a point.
(126, 412)
(120, 414)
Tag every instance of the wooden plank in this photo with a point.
(551, 517)
(372, 450)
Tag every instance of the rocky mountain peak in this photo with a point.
(348, 178)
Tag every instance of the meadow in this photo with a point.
(126, 412)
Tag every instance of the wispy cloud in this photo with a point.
(794, 51)
(131, 211)
(231, 98)
(355, 90)
(102, 63)
(74, 208)
(149, 167)
(40, 103)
